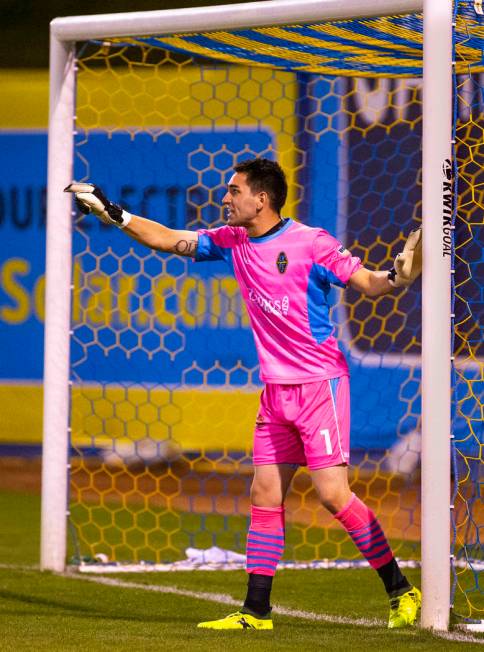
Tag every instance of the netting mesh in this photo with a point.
(165, 377)
(467, 428)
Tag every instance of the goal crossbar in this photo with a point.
(252, 14)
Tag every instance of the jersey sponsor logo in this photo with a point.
(282, 262)
(274, 306)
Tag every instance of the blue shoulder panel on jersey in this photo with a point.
(319, 284)
(208, 250)
(326, 276)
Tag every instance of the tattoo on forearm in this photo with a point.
(186, 247)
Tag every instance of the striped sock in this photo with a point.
(265, 539)
(363, 527)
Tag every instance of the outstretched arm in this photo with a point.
(406, 268)
(371, 283)
(156, 236)
(90, 199)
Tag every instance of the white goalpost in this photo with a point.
(436, 309)
(436, 299)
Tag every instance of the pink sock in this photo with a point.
(265, 539)
(363, 527)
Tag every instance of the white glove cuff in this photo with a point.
(126, 219)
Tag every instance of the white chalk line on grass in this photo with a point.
(227, 599)
(223, 598)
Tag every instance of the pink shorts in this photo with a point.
(307, 424)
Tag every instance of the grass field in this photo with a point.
(336, 610)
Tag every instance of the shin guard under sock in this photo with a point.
(363, 527)
(265, 540)
(265, 546)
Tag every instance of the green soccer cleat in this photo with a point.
(238, 620)
(404, 609)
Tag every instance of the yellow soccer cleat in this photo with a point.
(238, 620)
(404, 609)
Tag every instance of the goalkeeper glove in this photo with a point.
(91, 199)
(408, 264)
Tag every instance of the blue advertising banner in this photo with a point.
(143, 317)
(23, 162)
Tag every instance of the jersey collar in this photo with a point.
(271, 236)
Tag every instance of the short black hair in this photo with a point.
(264, 175)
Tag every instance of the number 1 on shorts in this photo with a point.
(325, 434)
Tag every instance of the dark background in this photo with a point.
(24, 24)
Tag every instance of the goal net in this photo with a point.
(164, 375)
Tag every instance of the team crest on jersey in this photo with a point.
(282, 262)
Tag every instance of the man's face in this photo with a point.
(242, 206)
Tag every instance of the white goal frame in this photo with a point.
(436, 301)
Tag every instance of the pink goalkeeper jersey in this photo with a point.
(285, 279)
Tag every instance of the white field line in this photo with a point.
(462, 638)
(226, 599)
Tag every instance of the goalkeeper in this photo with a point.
(285, 270)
